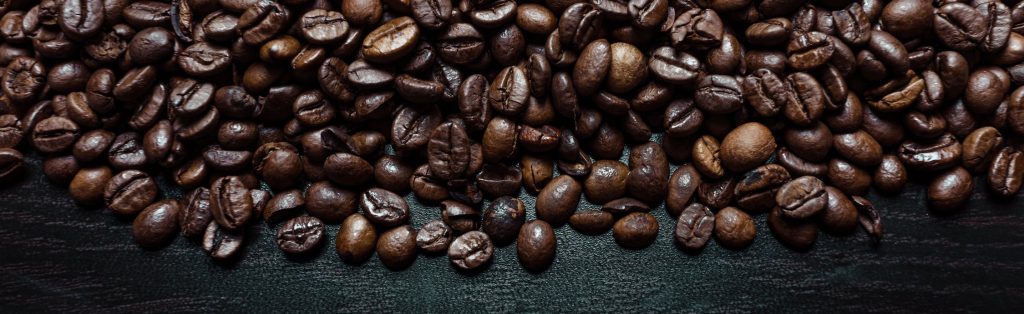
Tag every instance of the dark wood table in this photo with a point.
(57, 257)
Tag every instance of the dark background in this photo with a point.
(57, 257)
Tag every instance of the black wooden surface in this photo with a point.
(57, 257)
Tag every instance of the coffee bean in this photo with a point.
(390, 41)
(449, 151)
(808, 50)
(222, 245)
(195, 213)
(801, 198)
(157, 224)
(471, 251)
(557, 201)
(396, 248)
(890, 176)
(592, 222)
(734, 229)
(950, 190)
(54, 135)
(356, 240)
(12, 165)
(719, 94)
(536, 246)
(384, 208)
(635, 231)
(329, 202)
(746, 147)
(434, 237)
(706, 157)
(798, 235)
(300, 235)
(129, 192)
(230, 203)
(86, 188)
(932, 155)
(502, 219)
(848, 177)
(698, 28)
(840, 215)
(1004, 173)
(869, 218)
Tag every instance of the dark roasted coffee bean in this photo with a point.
(434, 237)
(300, 235)
(329, 202)
(649, 172)
(60, 170)
(510, 91)
(801, 198)
(461, 217)
(950, 190)
(11, 131)
(129, 192)
(348, 170)
(798, 235)
(536, 246)
(54, 135)
(195, 213)
(931, 155)
(222, 245)
(580, 24)
(356, 240)
(461, 43)
(499, 140)
(848, 177)
(284, 205)
(635, 231)
(592, 222)
(979, 147)
(262, 21)
(890, 176)
(672, 66)
(392, 174)
(1006, 172)
(230, 203)
(858, 147)
(696, 28)
(86, 188)
(808, 50)
(607, 181)
(557, 201)
(157, 224)
(323, 27)
(840, 215)
(706, 157)
(390, 41)
(426, 187)
(92, 145)
(537, 172)
(12, 168)
(717, 194)
(592, 67)
(471, 251)
(869, 218)
(448, 151)
(755, 191)
(384, 208)
(734, 229)
(746, 147)
(396, 248)
(719, 94)
(503, 218)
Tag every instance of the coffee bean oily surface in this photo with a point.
(308, 114)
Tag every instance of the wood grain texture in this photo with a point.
(57, 257)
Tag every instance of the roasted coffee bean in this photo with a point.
(755, 191)
(734, 229)
(840, 215)
(706, 157)
(434, 237)
(746, 147)
(717, 194)
(694, 227)
(672, 66)
(798, 235)
(12, 167)
(801, 198)
(592, 67)
(719, 94)
(510, 91)
(696, 28)
(323, 27)
(557, 201)
(129, 192)
(230, 203)
(869, 218)
(284, 205)
(384, 208)
(607, 181)
(300, 235)
(503, 218)
(157, 224)
(537, 172)
(858, 147)
(461, 217)
(808, 50)
(127, 152)
(497, 181)
(60, 170)
(848, 177)
(329, 202)
(592, 222)
(580, 24)
(950, 190)
(396, 248)
(426, 187)
(471, 251)
(536, 246)
(195, 213)
(979, 147)
(222, 245)
(54, 135)
(390, 41)
(648, 174)
(460, 44)
(890, 176)
(635, 231)
(392, 174)
(86, 188)
(499, 139)
(535, 18)
(682, 118)
(932, 155)
(11, 132)
(448, 151)
(348, 170)
(1006, 172)
(356, 240)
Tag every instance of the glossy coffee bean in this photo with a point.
(471, 251)
(300, 235)
(356, 240)
(396, 248)
(536, 246)
(746, 147)
(330, 203)
(434, 237)
(950, 190)
(558, 200)
(384, 208)
(157, 224)
(635, 231)
(592, 222)
(798, 235)
(86, 187)
(231, 203)
(503, 218)
(840, 215)
(129, 192)
(801, 198)
(734, 229)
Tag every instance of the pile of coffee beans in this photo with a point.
(304, 113)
